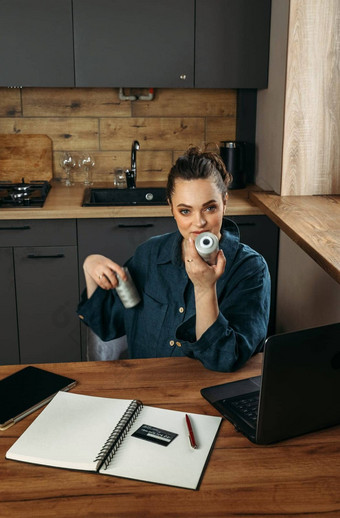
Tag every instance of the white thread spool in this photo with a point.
(207, 246)
(127, 291)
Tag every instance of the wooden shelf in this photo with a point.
(311, 221)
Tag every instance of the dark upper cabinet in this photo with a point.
(150, 43)
(36, 43)
(232, 43)
(146, 43)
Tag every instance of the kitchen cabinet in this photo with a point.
(134, 44)
(41, 261)
(117, 239)
(177, 44)
(9, 349)
(36, 43)
(42, 277)
(113, 43)
(232, 43)
(261, 234)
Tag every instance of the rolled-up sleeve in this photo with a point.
(241, 326)
(103, 312)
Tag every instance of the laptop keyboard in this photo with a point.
(246, 406)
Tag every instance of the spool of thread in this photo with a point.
(127, 291)
(207, 246)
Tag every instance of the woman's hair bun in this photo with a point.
(198, 164)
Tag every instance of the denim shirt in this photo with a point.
(163, 323)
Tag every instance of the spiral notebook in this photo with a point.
(118, 437)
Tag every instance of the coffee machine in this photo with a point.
(233, 155)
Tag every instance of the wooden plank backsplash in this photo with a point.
(95, 120)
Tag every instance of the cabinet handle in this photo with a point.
(24, 227)
(246, 224)
(136, 225)
(55, 256)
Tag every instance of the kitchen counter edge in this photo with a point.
(311, 221)
(66, 203)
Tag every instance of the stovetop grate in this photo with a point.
(20, 195)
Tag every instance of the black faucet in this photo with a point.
(131, 174)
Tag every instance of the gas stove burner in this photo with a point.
(22, 187)
(22, 194)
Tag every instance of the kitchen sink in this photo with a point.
(103, 197)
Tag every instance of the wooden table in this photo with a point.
(300, 476)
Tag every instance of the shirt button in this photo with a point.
(181, 309)
(172, 343)
(178, 344)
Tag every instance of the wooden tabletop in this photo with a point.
(66, 202)
(297, 477)
(313, 222)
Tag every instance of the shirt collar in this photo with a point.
(172, 250)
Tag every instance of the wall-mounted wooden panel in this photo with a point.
(10, 103)
(188, 103)
(96, 120)
(151, 132)
(66, 133)
(311, 149)
(74, 102)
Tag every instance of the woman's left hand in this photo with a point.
(202, 275)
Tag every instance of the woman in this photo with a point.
(217, 314)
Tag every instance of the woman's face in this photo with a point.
(197, 207)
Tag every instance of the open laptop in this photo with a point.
(298, 392)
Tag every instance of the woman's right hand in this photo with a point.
(101, 271)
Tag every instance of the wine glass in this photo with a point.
(87, 162)
(67, 162)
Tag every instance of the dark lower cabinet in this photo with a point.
(39, 279)
(117, 238)
(47, 297)
(9, 347)
(261, 234)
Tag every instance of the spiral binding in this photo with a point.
(118, 434)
